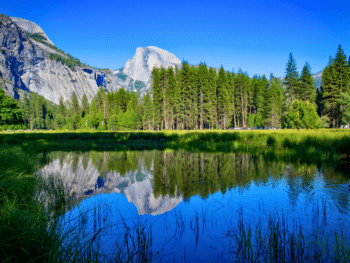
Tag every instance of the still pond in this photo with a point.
(178, 206)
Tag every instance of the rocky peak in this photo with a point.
(31, 28)
(141, 65)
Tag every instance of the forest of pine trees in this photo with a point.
(200, 97)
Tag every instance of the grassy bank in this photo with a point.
(28, 221)
(305, 146)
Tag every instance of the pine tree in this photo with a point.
(222, 97)
(163, 81)
(213, 98)
(186, 96)
(342, 73)
(274, 110)
(129, 117)
(93, 120)
(307, 85)
(85, 105)
(230, 85)
(170, 98)
(157, 98)
(194, 99)
(62, 108)
(335, 80)
(147, 110)
(112, 123)
(310, 119)
(178, 105)
(120, 120)
(26, 112)
(345, 103)
(75, 102)
(10, 112)
(291, 80)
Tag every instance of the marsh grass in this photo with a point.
(304, 146)
(270, 237)
(277, 241)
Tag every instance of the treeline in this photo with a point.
(112, 110)
(198, 97)
(201, 98)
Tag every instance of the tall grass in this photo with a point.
(305, 146)
(277, 241)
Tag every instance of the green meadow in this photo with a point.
(28, 230)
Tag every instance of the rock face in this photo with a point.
(30, 27)
(86, 181)
(25, 65)
(141, 65)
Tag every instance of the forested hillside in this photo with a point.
(201, 98)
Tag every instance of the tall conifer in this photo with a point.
(291, 79)
(307, 85)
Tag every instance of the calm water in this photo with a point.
(184, 206)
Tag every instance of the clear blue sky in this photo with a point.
(254, 35)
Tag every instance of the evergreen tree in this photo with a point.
(157, 98)
(307, 85)
(310, 118)
(62, 108)
(26, 112)
(274, 110)
(178, 105)
(186, 95)
(163, 81)
(147, 110)
(170, 98)
(335, 80)
(10, 112)
(291, 80)
(194, 99)
(222, 98)
(213, 98)
(112, 123)
(129, 118)
(85, 105)
(302, 114)
(230, 85)
(93, 120)
(342, 73)
(75, 102)
(120, 120)
(345, 103)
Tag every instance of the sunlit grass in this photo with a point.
(309, 146)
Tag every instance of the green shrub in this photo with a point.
(37, 37)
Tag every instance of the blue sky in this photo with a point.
(256, 36)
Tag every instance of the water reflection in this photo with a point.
(187, 206)
(157, 181)
(88, 174)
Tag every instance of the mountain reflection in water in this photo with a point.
(111, 186)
